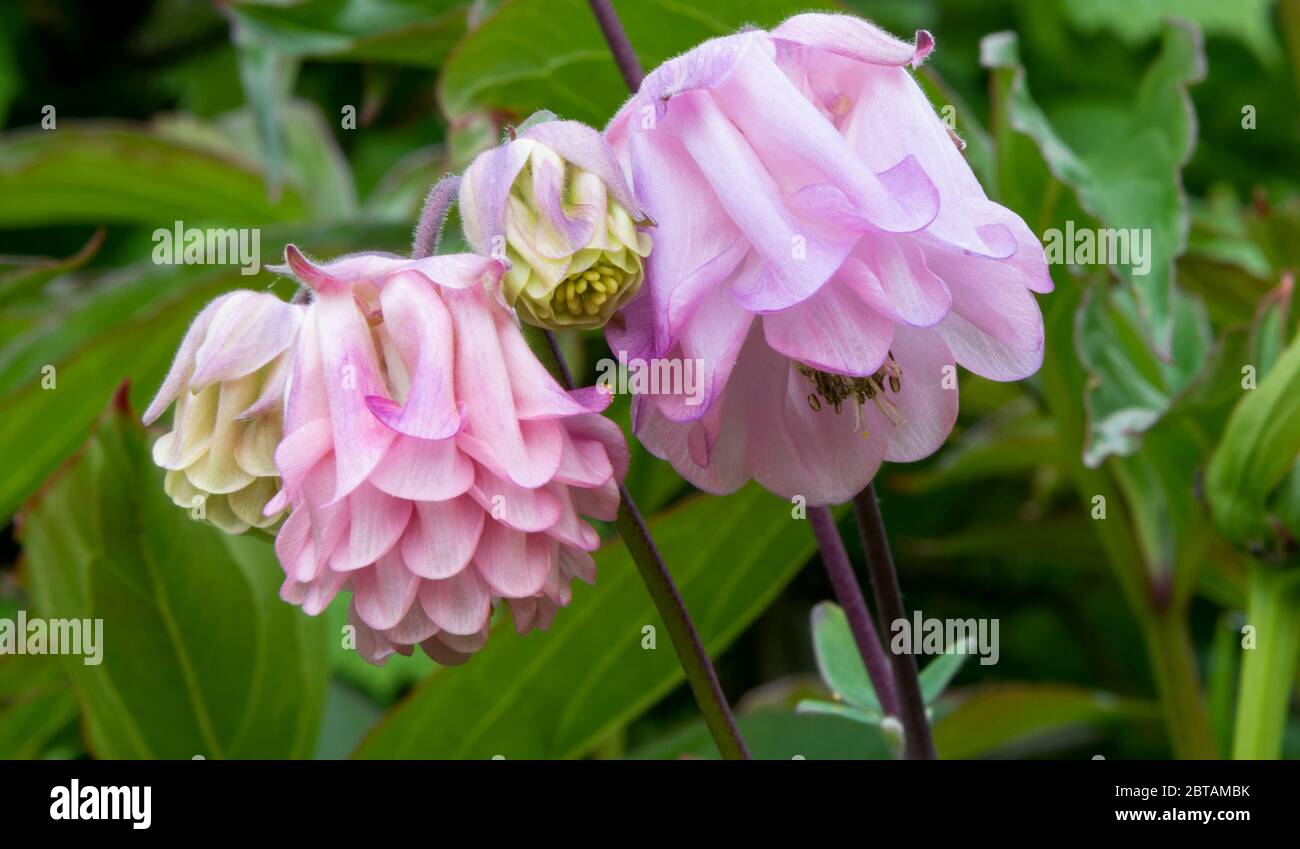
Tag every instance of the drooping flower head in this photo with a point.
(431, 464)
(554, 205)
(824, 250)
(227, 380)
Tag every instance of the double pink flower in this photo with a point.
(825, 251)
(430, 463)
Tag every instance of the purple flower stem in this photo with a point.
(428, 233)
(918, 743)
(628, 63)
(672, 609)
(849, 594)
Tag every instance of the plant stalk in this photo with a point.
(1268, 670)
(849, 594)
(624, 56)
(918, 742)
(695, 662)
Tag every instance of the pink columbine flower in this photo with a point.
(431, 464)
(825, 251)
(227, 380)
(554, 205)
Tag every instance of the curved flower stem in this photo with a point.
(668, 601)
(610, 26)
(849, 593)
(884, 582)
(428, 232)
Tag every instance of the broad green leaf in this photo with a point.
(104, 174)
(530, 55)
(777, 736)
(1132, 386)
(1256, 452)
(403, 32)
(124, 327)
(556, 694)
(199, 655)
(864, 716)
(36, 704)
(1126, 175)
(313, 165)
(1138, 21)
(998, 717)
(838, 658)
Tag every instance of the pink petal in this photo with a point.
(383, 593)
(423, 470)
(512, 562)
(351, 374)
(458, 605)
(483, 192)
(928, 407)
(583, 146)
(377, 520)
(850, 36)
(442, 537)
(421, 330)
(520, 508)
(833, 331)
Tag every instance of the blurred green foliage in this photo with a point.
(323, 122)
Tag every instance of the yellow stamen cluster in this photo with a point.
(835, 389)
(583, 293)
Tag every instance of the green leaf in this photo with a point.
(818, 706)
(403, 32)
(199, 656)
(998, 717)
(777, 736)
(558, 693)
(1257, 451)
(838, 658)
(36, 704)
(1248, 21)
(528, 56)
(938, 674)
(1126, 175)
(109, 174)
(126, 326)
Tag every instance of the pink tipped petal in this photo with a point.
(520, 508)
(797, 261)
(183, 363)
(799, 147)
(442, 537)
(854, 38)
(458, 605)
(927, 402)
(915, 294)
(585, 147)
(377, 522)
(421, 329)
(384, 592)
(423, 470)
(351, 374)
(483, 192)
(293, 547)
(309, 272)
(536, 394)
(833, 331)
(459, 271)
(513, 563)
(583, 463)
(985, 355)
(415, 627)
